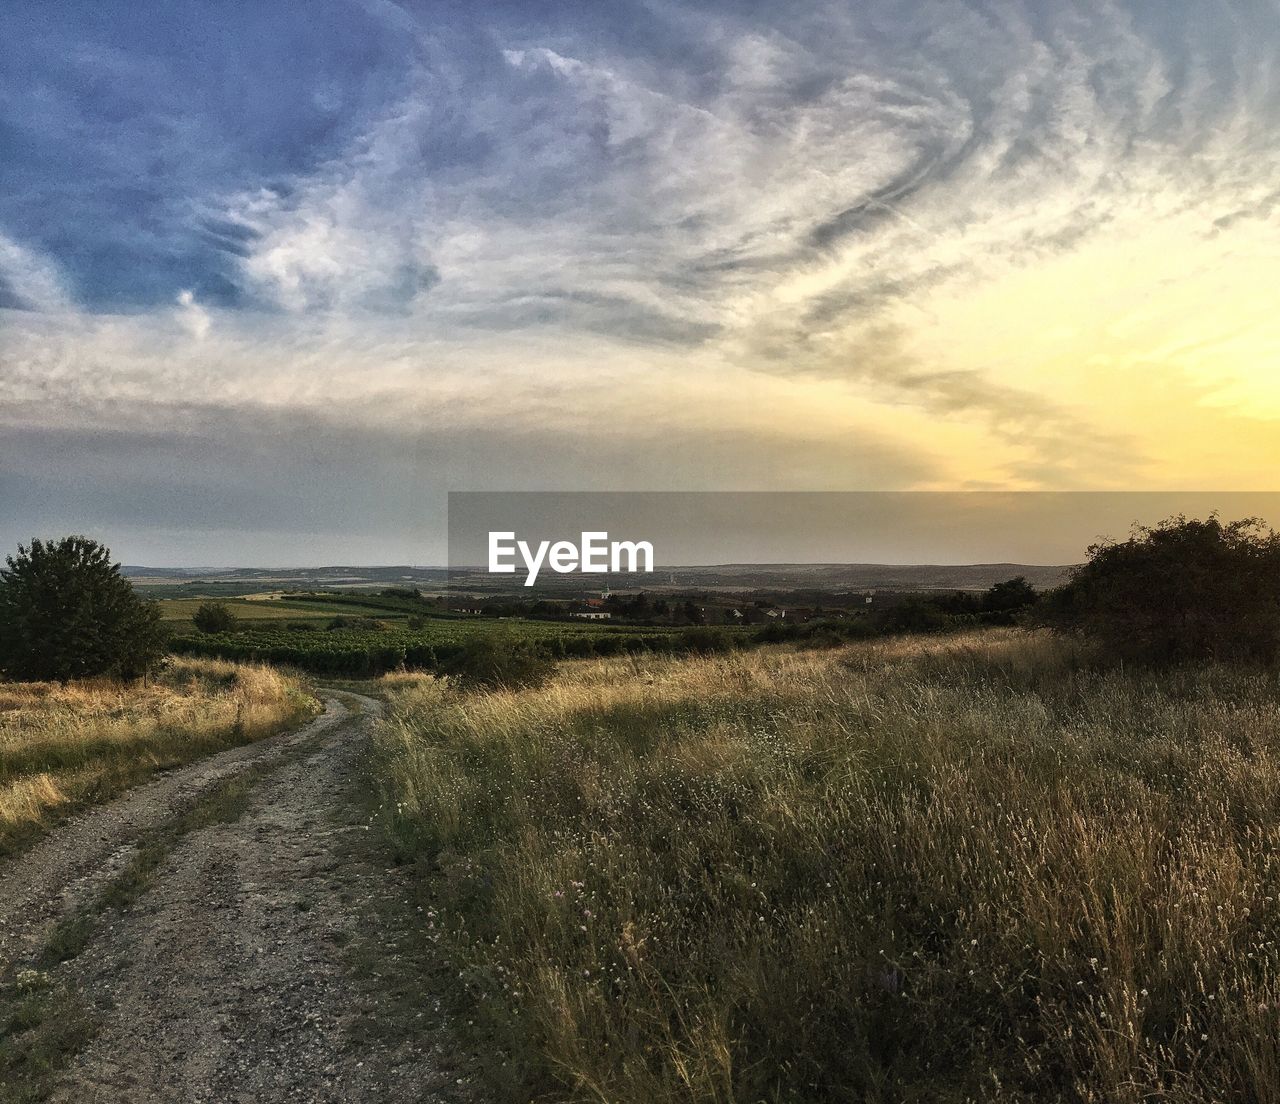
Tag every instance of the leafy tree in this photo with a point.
(1185, 589)
(1009, 596)
(214, 617)
(66, 612)
(1004, 603)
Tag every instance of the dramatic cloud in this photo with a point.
(998, 243)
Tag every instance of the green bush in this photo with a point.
(777, 632)
(1185, 589)
(703, 640)
(363, 624)
(501, 660)
(66, 612)
(913, 615)
(214, 617)
(578, 646)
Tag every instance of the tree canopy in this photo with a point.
(1185, 589)
(66, 612)
(214, 617)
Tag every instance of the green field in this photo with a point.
(181, 610)
(366, 652)
(298, 630)
(178, 612)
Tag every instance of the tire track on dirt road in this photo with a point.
(52, 878)
(226, 978)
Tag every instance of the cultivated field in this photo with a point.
(364, 652)
(65, 746)
(944, 869)
(178, 612)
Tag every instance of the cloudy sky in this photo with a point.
(275, 276)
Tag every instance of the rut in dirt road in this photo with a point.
(228, 978)
(72, 863)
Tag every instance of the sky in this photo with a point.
(276, 277)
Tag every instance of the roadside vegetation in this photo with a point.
(65, 746)
(980, 866)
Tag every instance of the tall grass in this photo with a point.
(936, 870)
(65, 746)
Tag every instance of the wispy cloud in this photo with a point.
(29, 280)
(960, 217)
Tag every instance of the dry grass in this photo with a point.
(62, 747)
(942, 870)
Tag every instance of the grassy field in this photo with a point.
(365, 652)
(178, 612)
(62, 747)
(962, 868)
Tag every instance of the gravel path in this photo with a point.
(227, 980)
(69, 865)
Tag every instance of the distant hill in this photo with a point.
(230, 581)
(877, 576)
(728, 577)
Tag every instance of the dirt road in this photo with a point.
(226, 973)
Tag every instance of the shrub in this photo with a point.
(913, 615)
(610, 645)
(420, 656)
(364, 624)
(1004, 601)
(1185, 589)
(777, 632)
(214, 617)
(499, 660)
(824, 636)
(578, 646)
(705, 641)
(66, 612)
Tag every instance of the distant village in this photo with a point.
(780, 614)
(702, 608)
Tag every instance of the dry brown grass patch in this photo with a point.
(64, 745)
(962, 868)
